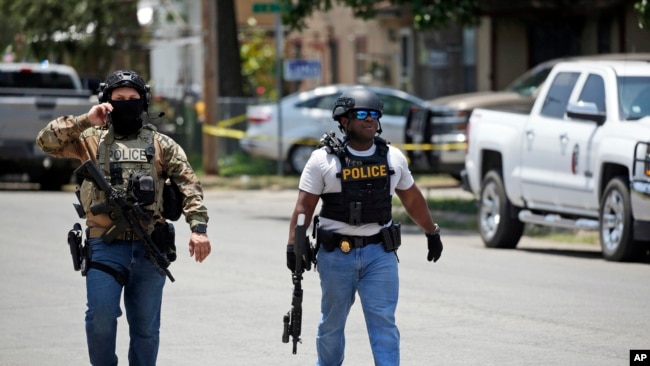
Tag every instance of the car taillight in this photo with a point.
(259, 118)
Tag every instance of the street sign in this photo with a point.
(270, 7)
(301, 69)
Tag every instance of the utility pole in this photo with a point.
(210, 67)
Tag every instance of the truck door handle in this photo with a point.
(530, 134)
(564, 138)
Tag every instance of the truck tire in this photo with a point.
(616, 222)
(497, 224)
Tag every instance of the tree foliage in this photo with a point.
(426, 13)
(435, 14)
(642, 9)
(83, 33)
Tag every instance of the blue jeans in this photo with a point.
(142, 301)
(372, 272)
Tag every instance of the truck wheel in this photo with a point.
(616, 222)
(496, 226)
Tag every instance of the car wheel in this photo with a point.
(298, 156)
(498, 228)
(616, 222)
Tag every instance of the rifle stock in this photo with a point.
(124, 215)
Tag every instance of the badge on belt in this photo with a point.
(344, 246)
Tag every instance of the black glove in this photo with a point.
(291, 259)
(434, 244)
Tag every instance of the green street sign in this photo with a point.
(267, 8)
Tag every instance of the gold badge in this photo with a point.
(345, 246)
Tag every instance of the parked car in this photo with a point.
(448, 116)
(307, 115)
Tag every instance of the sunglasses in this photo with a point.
(362, 114)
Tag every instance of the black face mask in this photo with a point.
(126, 116)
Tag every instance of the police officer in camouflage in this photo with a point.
(356, 238)
(116, 135)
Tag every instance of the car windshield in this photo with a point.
(528, 83)
(634, 97)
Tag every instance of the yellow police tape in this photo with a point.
(221, 130)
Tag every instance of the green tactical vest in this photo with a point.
(121, 159)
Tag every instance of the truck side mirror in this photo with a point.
(586, 111)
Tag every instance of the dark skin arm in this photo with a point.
(416, 207)
(306, 204)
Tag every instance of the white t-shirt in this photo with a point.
(319, 177)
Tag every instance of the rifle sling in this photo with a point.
(120, 277)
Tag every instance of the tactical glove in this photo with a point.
(291, 259)
(435, 245)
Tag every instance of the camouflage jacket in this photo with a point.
(76, 137)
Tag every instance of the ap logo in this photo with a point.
(639, 357)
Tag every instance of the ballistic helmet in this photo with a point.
(356, 98)
(124, 78)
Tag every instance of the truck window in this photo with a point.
(558, 95)
(594, 92)
(41, 80)
(634, 97)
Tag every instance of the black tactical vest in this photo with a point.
(365, 183)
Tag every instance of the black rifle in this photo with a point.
(293, 319)
(125, 213)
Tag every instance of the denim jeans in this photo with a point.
(142, 302)
(372, 272)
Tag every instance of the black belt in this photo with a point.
(347, 243)
(128, 235)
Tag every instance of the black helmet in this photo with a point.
(124, 78)
(356, 98)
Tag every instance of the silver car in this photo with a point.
(307, 115)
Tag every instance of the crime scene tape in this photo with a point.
(221, 129)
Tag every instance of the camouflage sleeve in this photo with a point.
(62, 138)
(178, 168)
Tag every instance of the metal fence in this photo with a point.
(182, 120)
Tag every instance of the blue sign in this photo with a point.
(301, 69)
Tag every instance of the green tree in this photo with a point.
(258, 63)
(426, 13)
(87, 34)
(434, 13)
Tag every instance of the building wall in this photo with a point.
(353, 51)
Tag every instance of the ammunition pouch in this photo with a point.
(164, 236)
(392, 237)
(172, 201)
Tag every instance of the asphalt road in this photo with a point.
(542, 304)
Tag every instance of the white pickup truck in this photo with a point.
(580, 159)
(31, 95)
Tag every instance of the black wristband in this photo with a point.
(200, 228)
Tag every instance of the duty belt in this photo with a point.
(128, 235)
(346, 243)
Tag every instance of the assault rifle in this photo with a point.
(293, 319)
(125, 212)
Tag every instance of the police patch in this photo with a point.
(362, 172)
(128, 154)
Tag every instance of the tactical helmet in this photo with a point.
(356, 98)
(124, 78)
